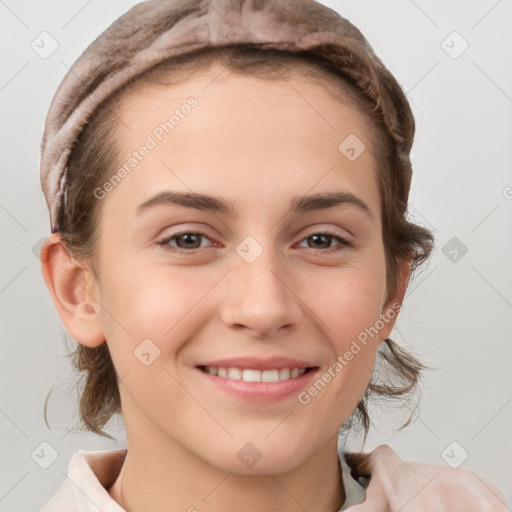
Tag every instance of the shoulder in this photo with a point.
(395, 481)
(90, 473)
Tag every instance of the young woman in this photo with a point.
(227, 184)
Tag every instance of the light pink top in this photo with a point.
(91, 473)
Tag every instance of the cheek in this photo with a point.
(155, 304)
(150, 317)
(347, 299)
(346, 305)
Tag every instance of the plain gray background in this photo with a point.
(457, 313)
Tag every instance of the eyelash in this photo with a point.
(164, 243)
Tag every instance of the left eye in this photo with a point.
(188, 241)
(319, 239)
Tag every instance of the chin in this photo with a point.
(259, 458)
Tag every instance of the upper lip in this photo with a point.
(255, 363)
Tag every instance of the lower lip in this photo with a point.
(261, 391)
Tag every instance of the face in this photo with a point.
(267, 280)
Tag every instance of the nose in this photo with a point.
(261, 296)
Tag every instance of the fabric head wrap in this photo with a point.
(156, 30)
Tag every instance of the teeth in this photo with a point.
(250, 375)
(270, 376)
(284, 374)
(234, 373)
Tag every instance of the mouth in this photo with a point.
(268, 385)
(256, 375)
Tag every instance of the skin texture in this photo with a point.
(258, 144)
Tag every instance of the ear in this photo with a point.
(392, 305)
(73, 288)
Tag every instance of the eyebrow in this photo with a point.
(321, 201)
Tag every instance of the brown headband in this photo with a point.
(156, 30)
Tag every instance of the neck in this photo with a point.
(174, 479)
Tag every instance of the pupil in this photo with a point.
(188, 237)
(317, 237)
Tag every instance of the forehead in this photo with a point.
(303, 90)
(290, 133)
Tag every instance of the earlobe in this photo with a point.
(72, 288)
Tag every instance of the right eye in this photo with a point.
(187, 241)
